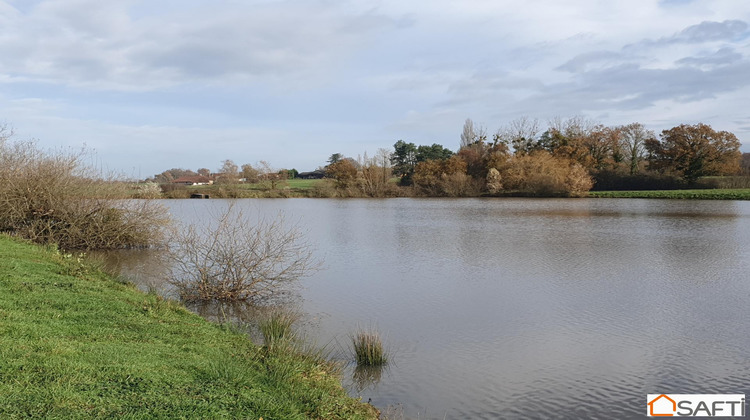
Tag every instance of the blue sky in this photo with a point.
(151, 85)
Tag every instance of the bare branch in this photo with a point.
(235, 260)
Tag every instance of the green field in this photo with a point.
(74, 343)
(304, 184)
(713, 194)
(289, 188)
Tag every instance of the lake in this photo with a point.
(524, 308)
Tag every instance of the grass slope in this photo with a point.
(715, 194)
(76, 344)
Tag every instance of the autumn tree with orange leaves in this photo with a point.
(695, 151)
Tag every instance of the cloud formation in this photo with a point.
(104, 45)
(360, 74)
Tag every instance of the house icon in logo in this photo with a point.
(662, 406)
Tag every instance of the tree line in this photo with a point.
(567, 157)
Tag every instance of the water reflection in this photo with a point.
(523, 308)
(367, 378)
(145, 268)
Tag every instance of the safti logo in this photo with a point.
(693, 405)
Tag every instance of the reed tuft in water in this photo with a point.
(277, 328)
(368, 348)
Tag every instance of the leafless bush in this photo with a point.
(54, 197)
(232, 259)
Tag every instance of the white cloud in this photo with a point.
(100, 45)
(288, 80)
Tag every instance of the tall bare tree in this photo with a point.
(229, 172)
(634, 137)
(468, 136)
(250, 173)
(273, 177)
(521, 133)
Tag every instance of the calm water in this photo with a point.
(520, 308)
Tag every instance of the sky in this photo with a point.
(152, 85)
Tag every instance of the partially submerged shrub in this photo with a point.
(53, 197)
(368, 348)
(232, 259)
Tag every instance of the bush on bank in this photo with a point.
(54, 197)
(76, 344)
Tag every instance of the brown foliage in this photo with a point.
(603, 144)
(479, 157)
(250, 174)
(541, 173)
(52, 197)
(574, 147)
(374, 180)
(344, 172)
(444, 178)
(695, 151)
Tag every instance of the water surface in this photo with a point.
(510, 308)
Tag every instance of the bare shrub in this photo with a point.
(233, 259)
(540, 173)
(53, 197)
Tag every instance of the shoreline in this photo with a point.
(688, 194)
(76, 343)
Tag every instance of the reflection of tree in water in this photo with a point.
(144, 268)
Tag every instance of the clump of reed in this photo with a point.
(368, 348)
(278, 329)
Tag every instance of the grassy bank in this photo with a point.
(77, 344)
(715, 194)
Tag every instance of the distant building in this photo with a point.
(316, 174)
(193, 180)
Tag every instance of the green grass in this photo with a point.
(305, 184)
(368, 348)
(291, 188)
(74, 343)
(714, 194)
(278, 328)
